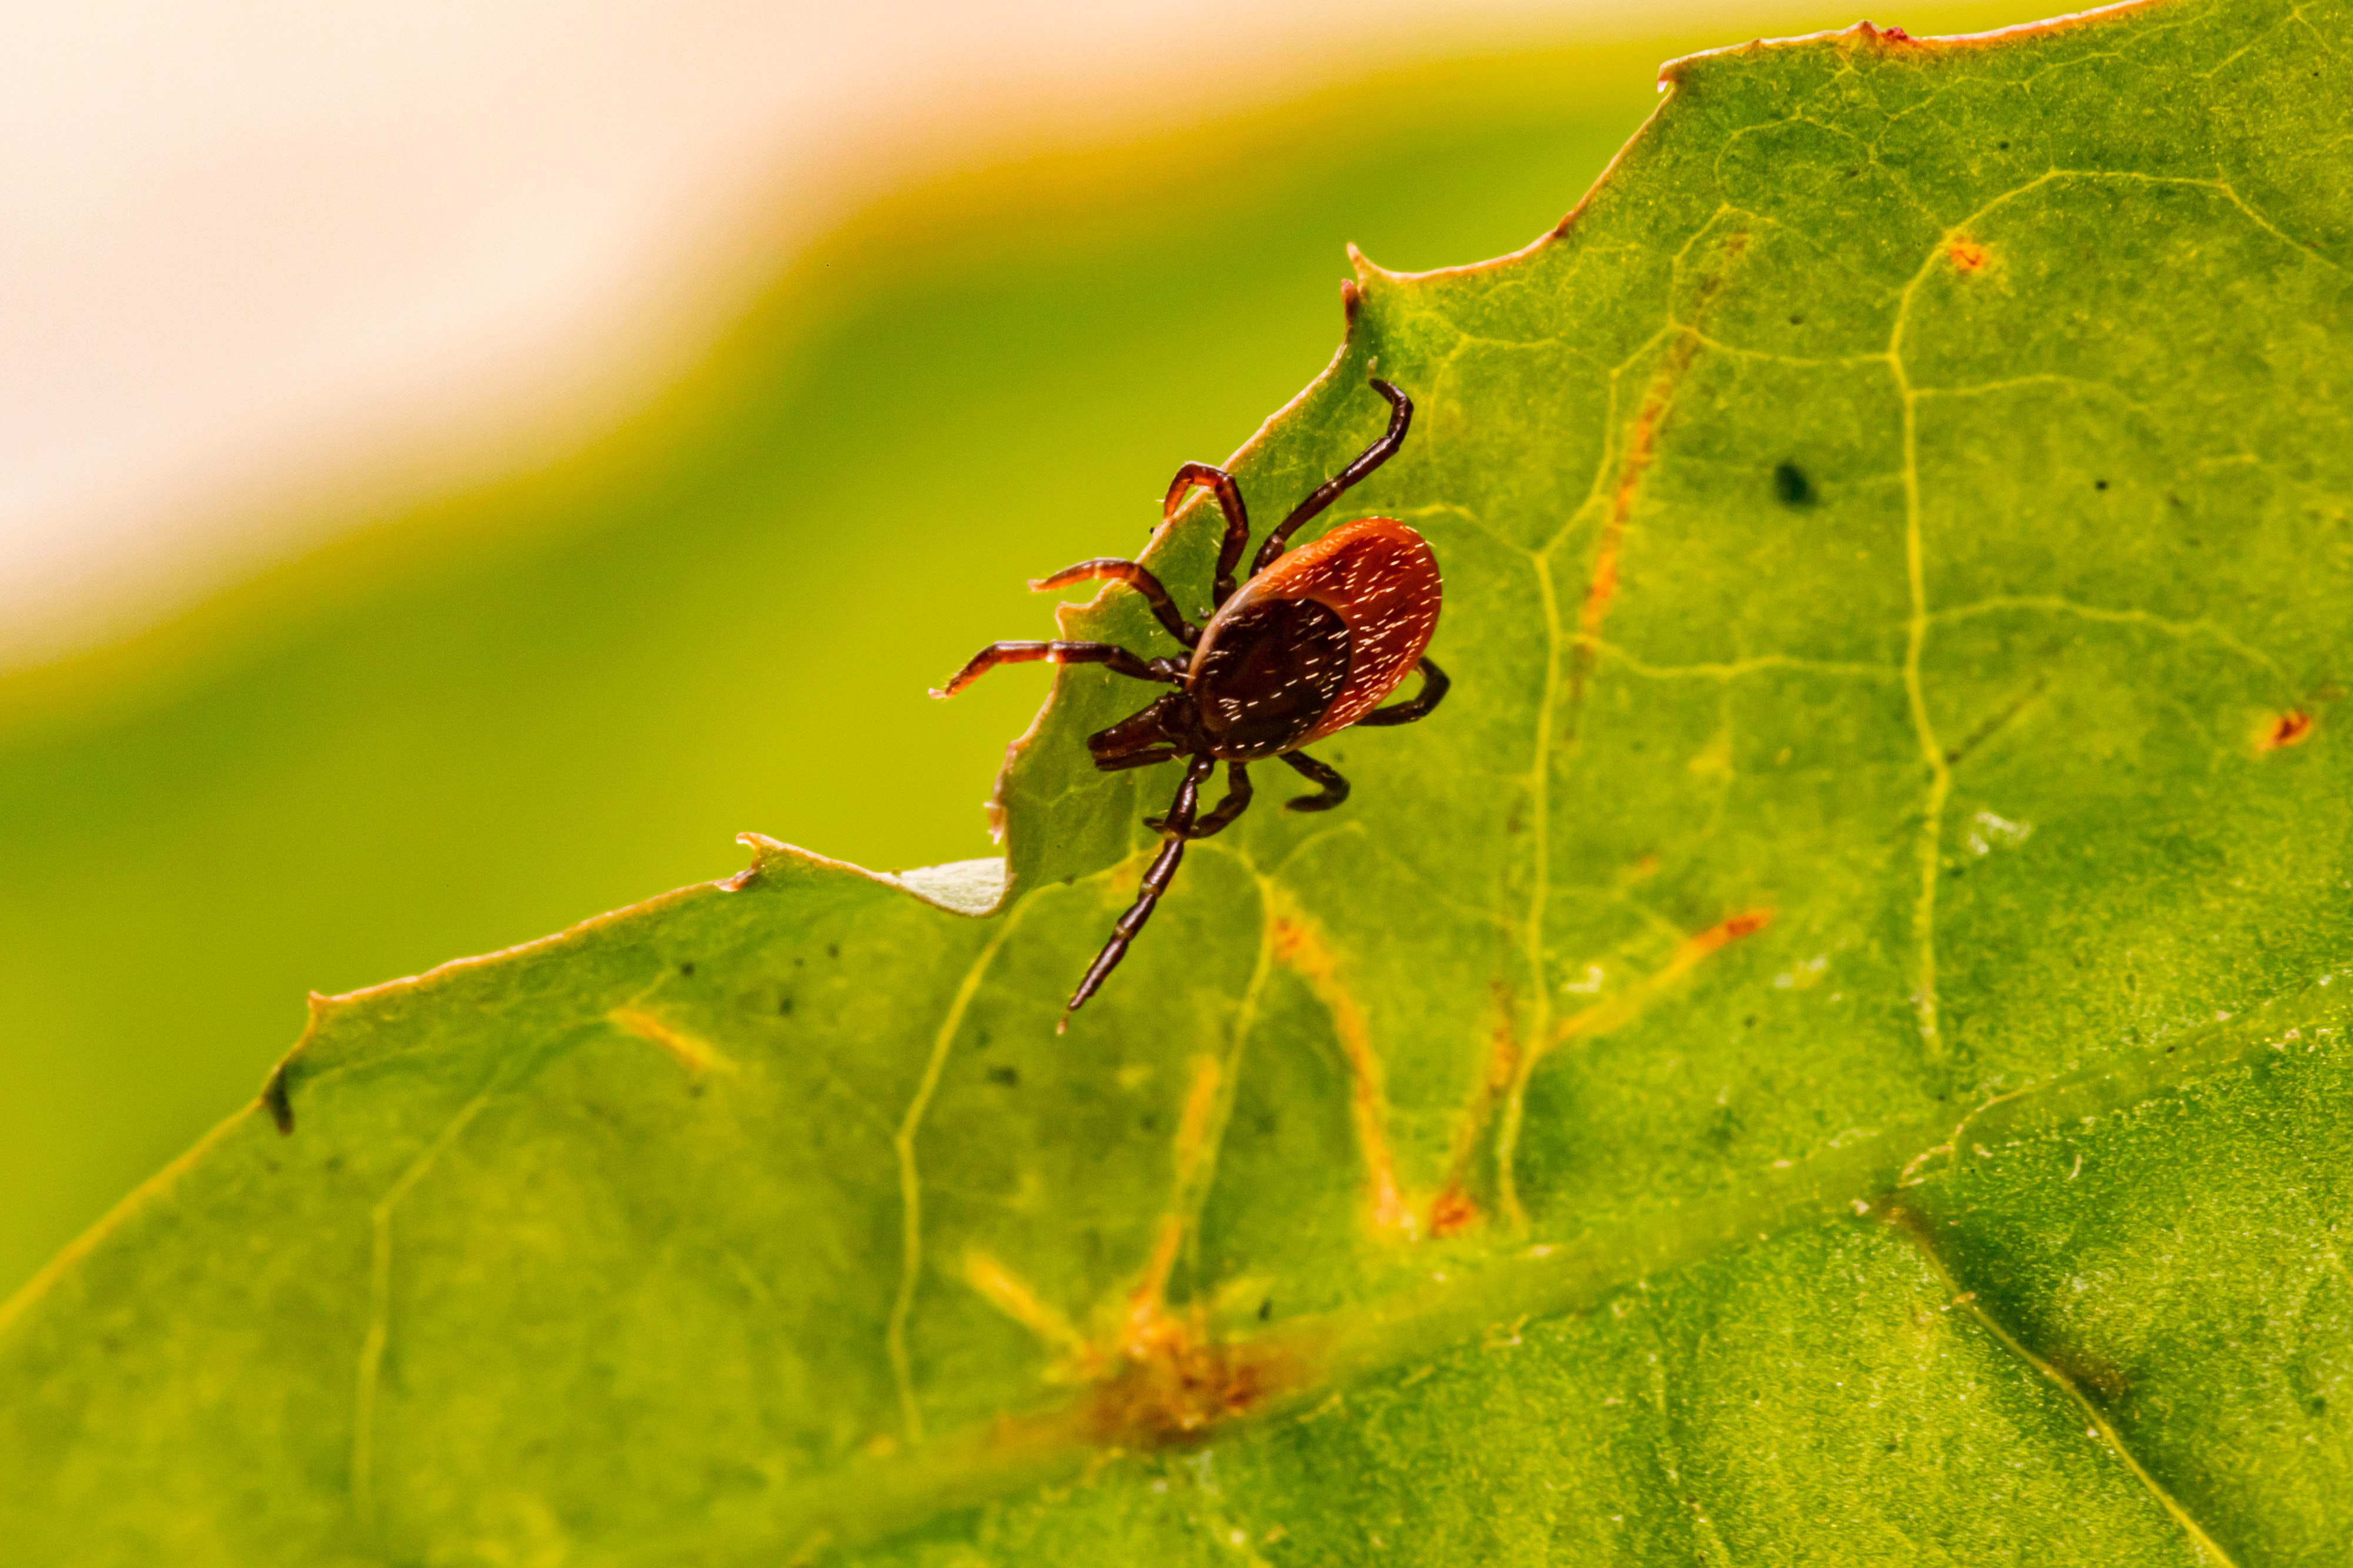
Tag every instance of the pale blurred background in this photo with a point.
(462, 463)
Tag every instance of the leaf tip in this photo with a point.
(763, 848)
(1368, 270)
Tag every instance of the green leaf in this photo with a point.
(1830, 1044)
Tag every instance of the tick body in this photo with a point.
(1305, 648)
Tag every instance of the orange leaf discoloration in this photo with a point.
(2292, 728)
(698, 1056)
(1180, 1384)
(1641, 447)
(1454, 1210)
(1299, 948)
(1604, 1017)
(1452, 1213)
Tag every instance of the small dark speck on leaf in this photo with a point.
(1005, 1075)
(1724, 1128)
(1750, 1022)
(1854, 174)
(1265, 1309)
(784, 1007)
(1797, 320)
(687, 970)
(1791, 483)
(2002, 146)
(833, 950)
(2099, 484)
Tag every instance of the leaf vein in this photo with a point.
(1913, 1228)
(910, 1193)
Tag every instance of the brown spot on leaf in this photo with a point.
(2292, 728)
(1177, 1386)
(1747, 923)
(1452, 1211)
(1966, 254)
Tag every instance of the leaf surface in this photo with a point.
(1829, 1045)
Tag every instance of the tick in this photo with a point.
(1306, 646)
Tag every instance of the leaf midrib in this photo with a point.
(1850, 1177)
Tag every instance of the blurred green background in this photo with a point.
(483, 721)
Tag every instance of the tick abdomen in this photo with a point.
(1314, 642)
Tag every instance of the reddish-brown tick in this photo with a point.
(1306, 647)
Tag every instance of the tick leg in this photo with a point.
(1335, 788)
(1230, 501)
(1121, 661)
(1330, 490)
(1434, 685)
(1137, 760)
(1157, 877)
(1136, 577)
(1237, 801)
